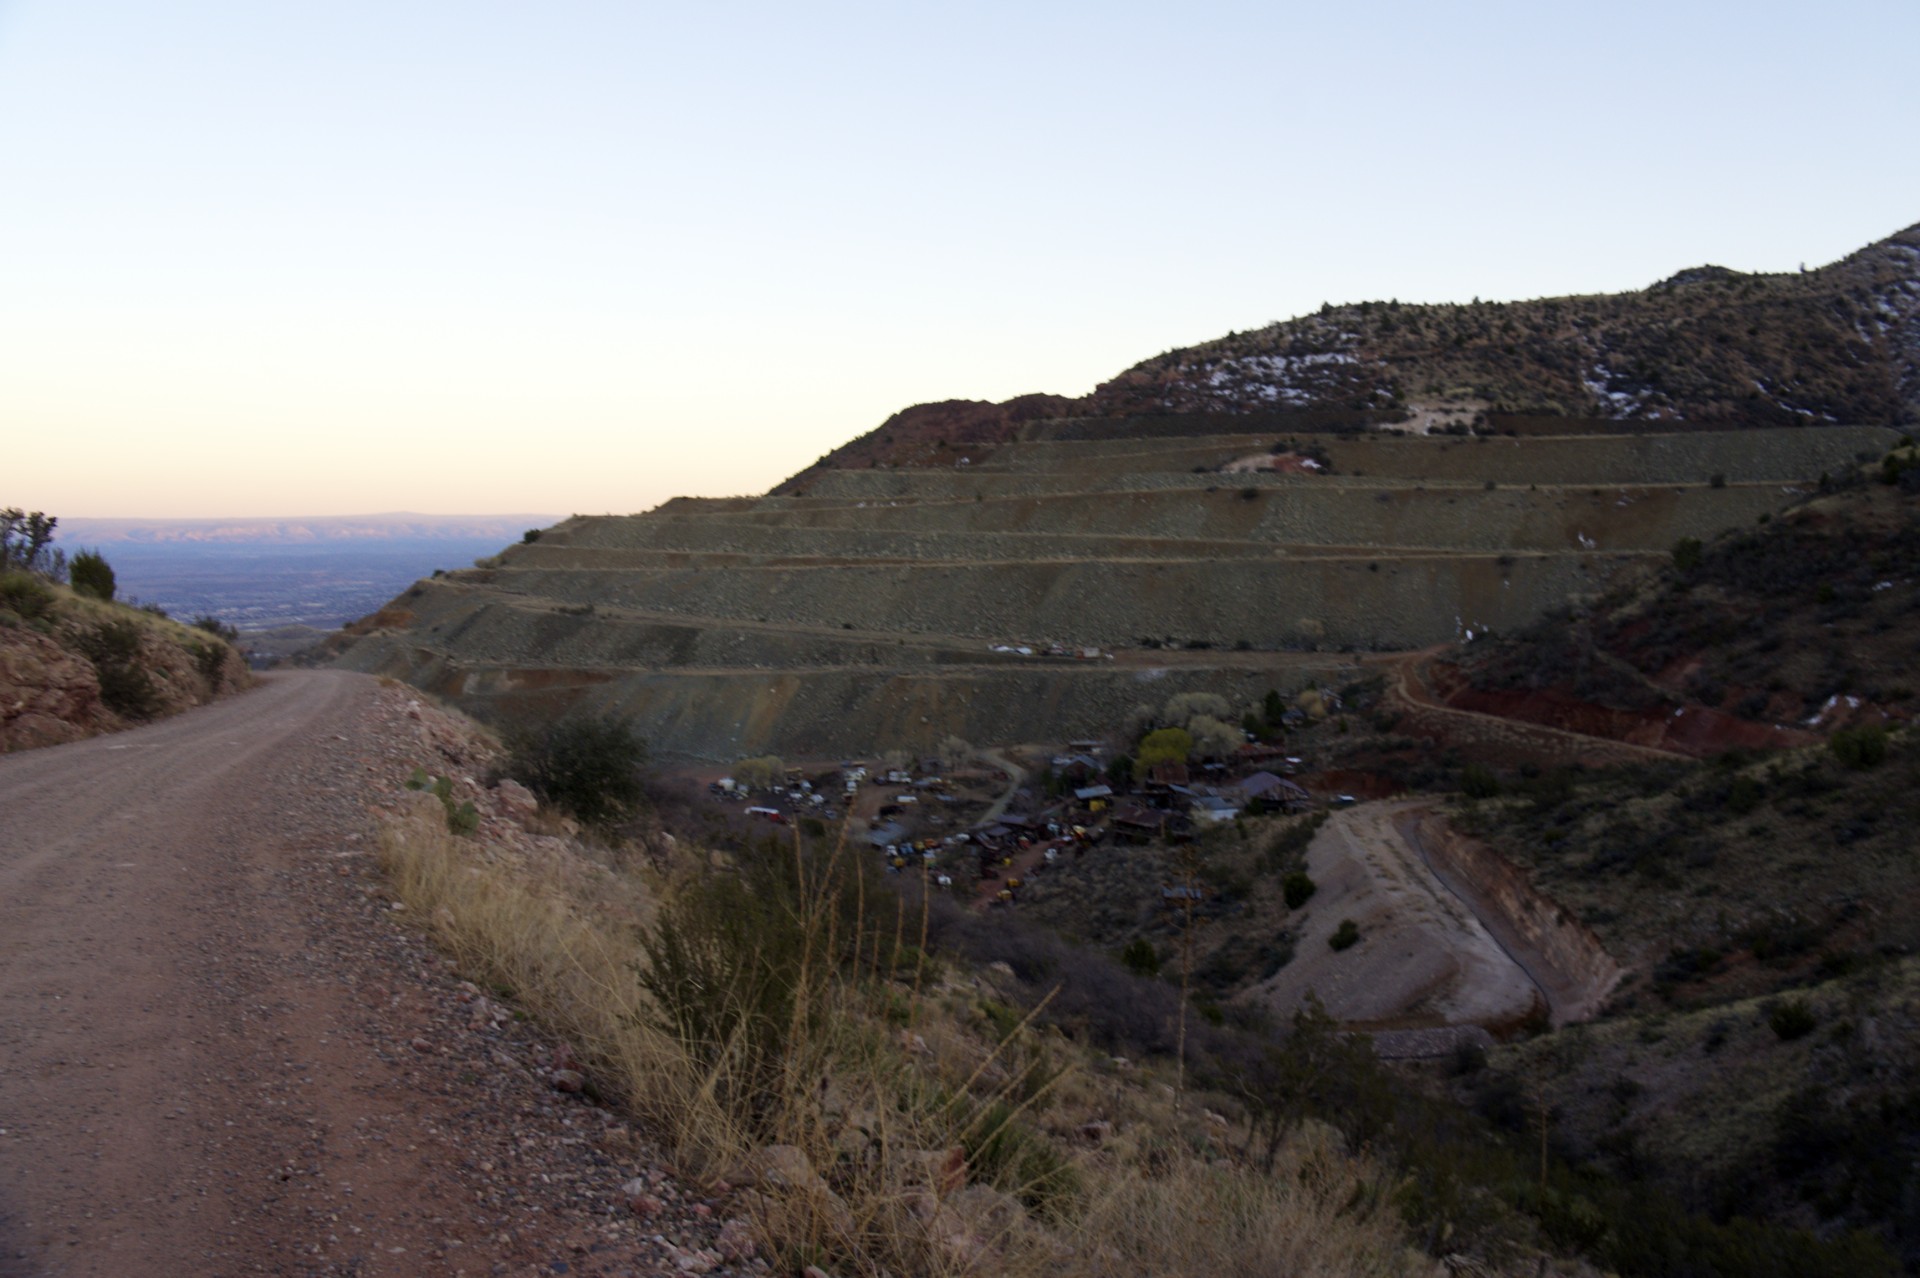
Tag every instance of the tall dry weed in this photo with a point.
(774, 1008)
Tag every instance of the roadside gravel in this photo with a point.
(223, 1051)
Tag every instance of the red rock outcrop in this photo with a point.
(47, 694)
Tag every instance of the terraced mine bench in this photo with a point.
(861, 608)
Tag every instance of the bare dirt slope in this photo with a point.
(1440, 944)
(220, 1053)
(1424, 957)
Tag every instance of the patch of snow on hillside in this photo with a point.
(1600, 383)
(1780, 401)
(1292, 381)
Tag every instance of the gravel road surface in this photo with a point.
(221, 1050)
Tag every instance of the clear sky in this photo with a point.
(262, 258)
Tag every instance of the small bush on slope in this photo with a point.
(125, 686)
(25, 595)
(91, 575)
(589, 766)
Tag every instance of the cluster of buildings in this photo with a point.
(922, 818)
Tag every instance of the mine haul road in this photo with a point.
(219, 1053)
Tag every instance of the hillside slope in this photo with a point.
(1708, 347)
(73, 667)
(1370, 478)
(1768, 636)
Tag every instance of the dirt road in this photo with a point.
(220, 1053)
(1492, 737)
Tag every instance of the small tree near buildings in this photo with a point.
(1164, 745)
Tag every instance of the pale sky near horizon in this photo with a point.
(261, 259)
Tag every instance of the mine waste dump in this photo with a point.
(1044, 585)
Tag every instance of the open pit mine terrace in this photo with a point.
(889, 607)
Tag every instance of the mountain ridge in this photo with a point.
(293, 529)
(1594, 356)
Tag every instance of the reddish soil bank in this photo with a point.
(1696, 730)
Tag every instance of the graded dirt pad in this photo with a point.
(1445, 940)
(1423, 958)
(223, 1053)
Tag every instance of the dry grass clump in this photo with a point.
(1319, 1215)
(518, 932)
(780, 1027)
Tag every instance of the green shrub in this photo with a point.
(1687, 553)
(1006, 1153)
(761, 772)
(462, 819)
(530, 536)
(25, 541)
(1744, 795)
(735, 974)
(218, 628)
(1346, 936)
(211, 659)
(1477, 781)
(1140, 957)
(1791, 1018)
(91, 575)
(25, 595)
(1164, 745)
(589, 766)
(1298, 889)
(1859, 748)
(126, 688)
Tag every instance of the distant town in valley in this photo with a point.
(259, 574)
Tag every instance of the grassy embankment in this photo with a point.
(942, 1131)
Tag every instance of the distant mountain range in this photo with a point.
(301, 530)
(259, 573)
